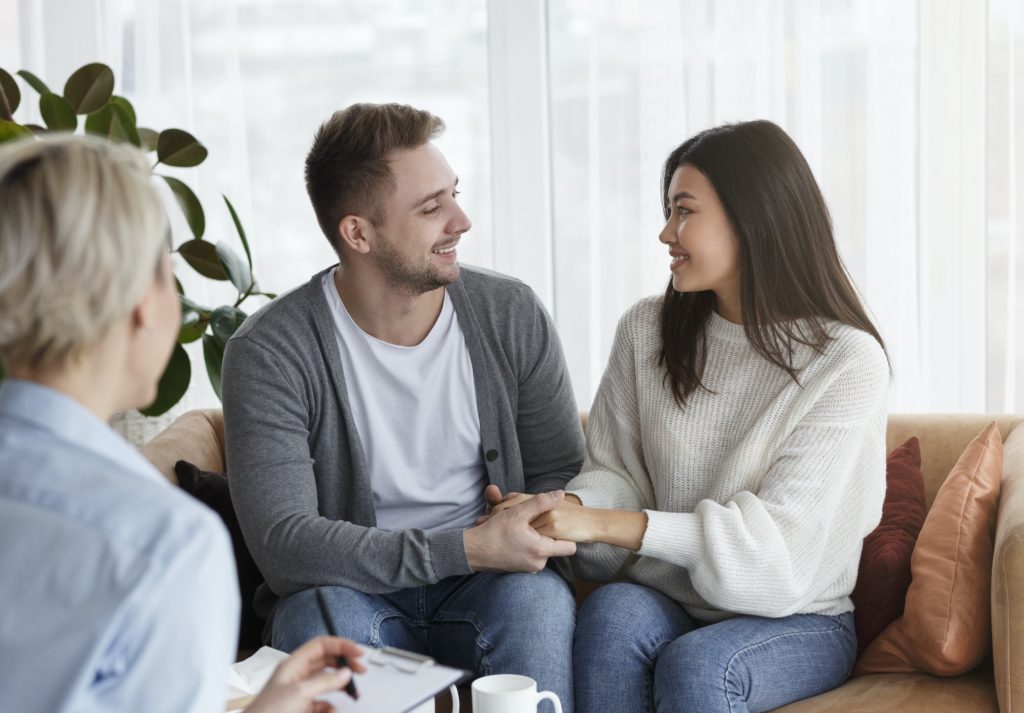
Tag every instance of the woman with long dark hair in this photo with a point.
(736, 450)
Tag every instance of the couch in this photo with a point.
(996, 686)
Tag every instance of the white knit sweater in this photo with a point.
(758, 495)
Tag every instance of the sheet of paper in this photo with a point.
(383, 689)
(251, 675)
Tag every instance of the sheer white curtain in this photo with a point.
(253, 79)
(630, 81)
(908, 112)
(1005, 206)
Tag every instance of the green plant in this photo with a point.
(89, 92)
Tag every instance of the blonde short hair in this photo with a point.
(82, 229)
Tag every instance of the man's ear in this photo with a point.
(355, 233)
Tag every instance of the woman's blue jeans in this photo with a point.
(638, 650)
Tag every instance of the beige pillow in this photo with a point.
(946, 626)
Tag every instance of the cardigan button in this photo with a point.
(491, 455)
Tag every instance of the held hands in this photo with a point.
(306, 674)
(505, 541)
(570, 520)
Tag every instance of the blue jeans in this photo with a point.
(484, 622)
(638, 650)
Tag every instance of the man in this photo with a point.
(367, 412)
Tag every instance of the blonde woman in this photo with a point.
(118, 590)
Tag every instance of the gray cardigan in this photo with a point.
(297, 471)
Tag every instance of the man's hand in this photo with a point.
(507, 543)
(496, 502)
(306, 674)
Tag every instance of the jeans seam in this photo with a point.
(379, 618)
(745, 649)
(482, 642)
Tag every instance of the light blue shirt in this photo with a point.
(117, 591)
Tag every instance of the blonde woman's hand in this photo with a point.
(306, 674)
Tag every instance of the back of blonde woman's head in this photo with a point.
(81, 233)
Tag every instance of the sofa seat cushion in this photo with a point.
(973, 692)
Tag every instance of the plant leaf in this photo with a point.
(173, 383)
(112, 122)
(238, 273)
(10, 96)
(9, 131)
(148, 138)
(34, 81)
(239, 230)
(126, 105)
(37, 129)
(190, 206)
(225, 321)
(57, 113)
(213, 354)
(89, 88)
(204, 259)
(192, 326)
(179, 148)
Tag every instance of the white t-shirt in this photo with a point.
(416, 415)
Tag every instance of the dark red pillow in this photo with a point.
(884, 575)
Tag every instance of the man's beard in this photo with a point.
(414, 279)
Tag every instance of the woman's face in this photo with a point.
(161, 316)
(704, 249)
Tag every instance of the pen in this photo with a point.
(341, 661)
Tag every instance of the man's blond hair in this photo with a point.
(81, 232)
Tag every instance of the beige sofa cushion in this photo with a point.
(196, 436)
(905, 693)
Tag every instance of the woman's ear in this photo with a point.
(355, 233)
(142, 314)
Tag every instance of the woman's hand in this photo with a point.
(573, 521)
(570, 521)
(306, 674)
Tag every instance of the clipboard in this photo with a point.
(396, 681)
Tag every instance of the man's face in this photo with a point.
(415, 246)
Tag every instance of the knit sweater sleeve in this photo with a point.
(614, 474)
(763, 553)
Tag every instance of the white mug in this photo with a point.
(508, 693)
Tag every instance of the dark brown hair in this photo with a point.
(347, 170)
(790, 268)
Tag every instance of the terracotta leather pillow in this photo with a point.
(884, 574)
(946, 626)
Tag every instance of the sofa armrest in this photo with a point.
(196, 436)
(1008, 580)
